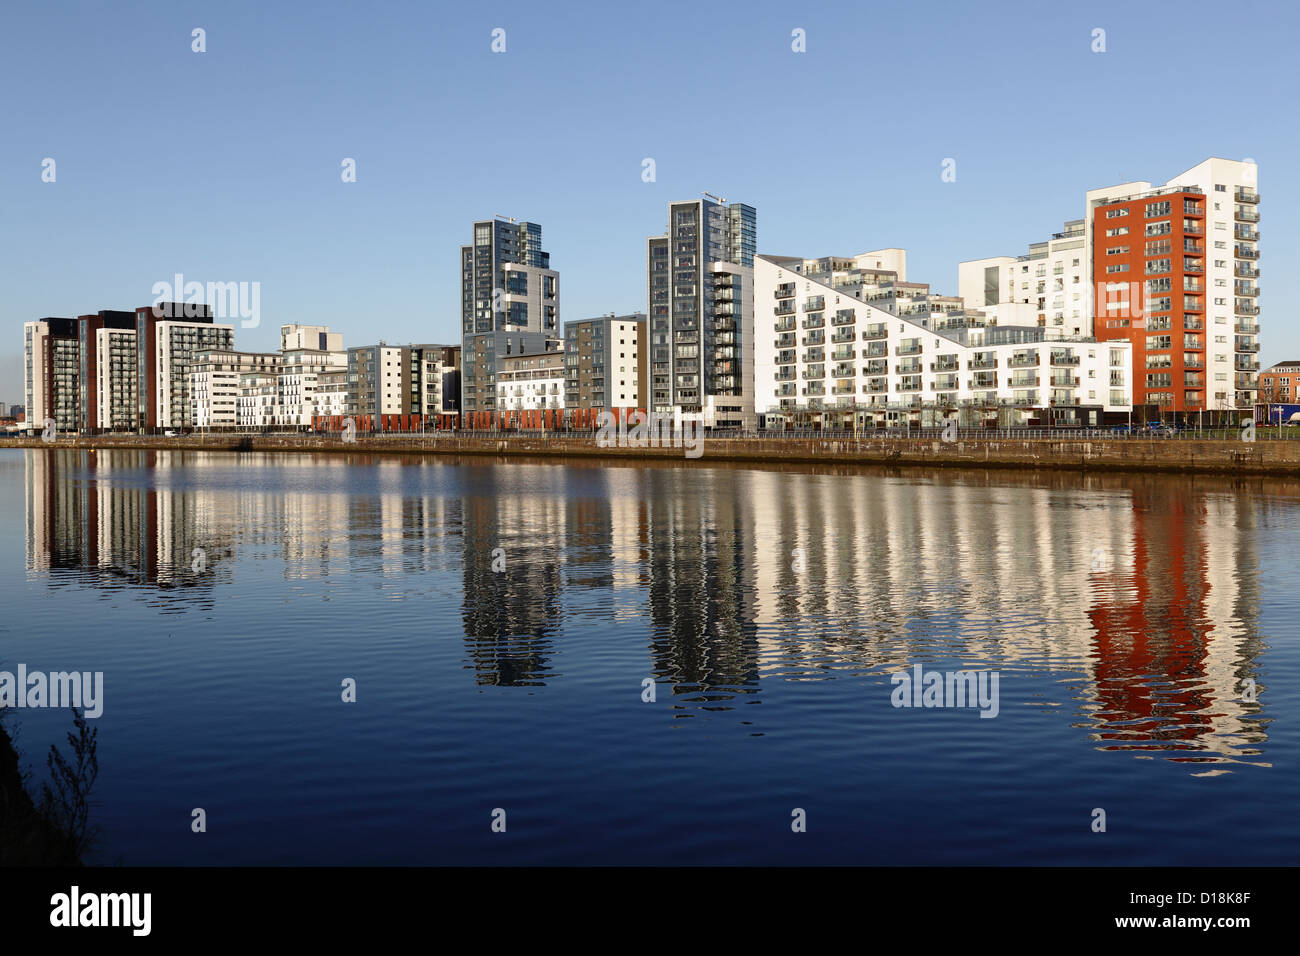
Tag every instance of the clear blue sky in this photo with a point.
(225, 165)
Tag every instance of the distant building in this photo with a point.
(306, 352)
(51, 372)
(396, 388)
(510, 305)
(1280, 383)
(606, 363)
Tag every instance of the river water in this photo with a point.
(691, 664)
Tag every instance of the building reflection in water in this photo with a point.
(1138, 596)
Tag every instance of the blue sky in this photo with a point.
(225, 165)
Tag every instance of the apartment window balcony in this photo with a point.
(1064, 381)
(785, 374)
(1246, 308)
(815, 321)
(877, 331)
(1193, 228)
(1246, 195)
(844, 317)
(982, 363)
(1193, 209)
(1029, 360)
(1246, 328)
(811, 374)
(876, 385)
(944, 383)
(844, 335)
(877, 349)
(1246, 234)
(1245, 272)
(1193, 305)
(785, 290)
(909, 386)
(912, 349)
(1192, 361)
(784, 325)
(1193, 285)
(907, 368)
(1245, 288)
(1025, 398)
(785, 308)
(1246, 346)
(843, 355)
(982, 381)
(945, 365)
(842, 387)
(814, 303)
(1024, 381)
(1191, 245)
(843, 370)
(1245, 252)
(1064, 358)
(1192, 323)
(1246, 215)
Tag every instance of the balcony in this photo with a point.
(914, 349)
(1023, 361)
(907, 368)
(843, 370)
(875, 332)
(1246, 195)
(1064, 381)
(1194, 286)
(1191, 323)
(785, 291)
(1245, 288)
(946, 365)
(1246, 215)
(1193, 305)
(785, 308)
(814, 303)
(990, 382)
(1246, 365)
(1064, 358)
(1194, 266)
(1246, 234)
(1025, 381)
(1193, 209)
(1247, 347)
(843, 355)
(1245, 252)
(816, 321)
(1246, 328)
(845, 335)
(1189, 361)
(982, 363)
(1246, 308)
(844, 317)
(1191, 245)
(1193, 228)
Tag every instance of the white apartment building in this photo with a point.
(527, 382)
(175, 345)
(851, 345)
(115, 383)
(1048, 287)
(216, 384)
(257, 399)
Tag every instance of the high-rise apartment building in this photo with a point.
(51, 373)
(111, 381)
(1174, 269)
(606, 363)
(700, 290)
(306, 351)
(165, 350)
(510, 304)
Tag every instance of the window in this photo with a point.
(1119, 231)
(1114, 213)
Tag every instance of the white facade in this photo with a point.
(175, 345)
(298, 382)
(529, 382)
(115, 379)
(1048, 287)
(216, 381)
(822, 343)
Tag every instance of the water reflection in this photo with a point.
(1129, 603)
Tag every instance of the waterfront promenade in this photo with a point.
(1269, 454)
